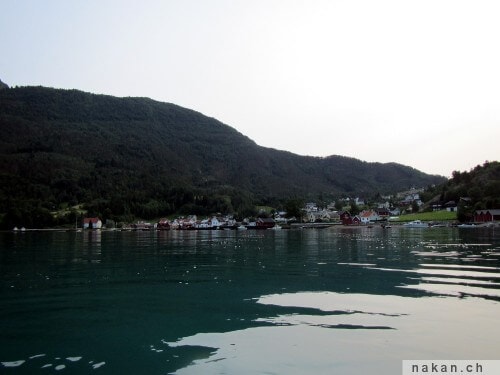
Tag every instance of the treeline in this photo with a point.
(126, 205)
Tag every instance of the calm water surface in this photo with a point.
(331, 301)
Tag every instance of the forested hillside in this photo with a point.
(135, 157)
(476, 189)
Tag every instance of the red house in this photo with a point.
(346, 218)
(484, 216)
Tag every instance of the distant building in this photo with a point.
(451, 206)
(265, 223)
(321, 215)
(92, 223)
(311, 206)
(163, 224)
(484, 216)
(359, 201)
(368, 216)
(383, 212)
(346, 218)
(395, 212)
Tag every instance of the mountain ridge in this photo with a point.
(69, 146)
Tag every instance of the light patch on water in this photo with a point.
(13, 363)
(358, 264)
(454, 280)
(153, 349)
(95, 366)
(462, 245)
(444, 272)
(57, 367)
(37, 356)
(458, 266)
(354, 338)
(453, 289)
(445, 254)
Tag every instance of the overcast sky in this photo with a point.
(415, 82)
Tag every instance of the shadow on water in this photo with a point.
(162, 302)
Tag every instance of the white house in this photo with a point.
(311, 206)
(451, 206)
(313, 216)
(216, 222)
(359, 201)
(368, 216)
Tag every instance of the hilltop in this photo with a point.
(126, 157)
(3, 85)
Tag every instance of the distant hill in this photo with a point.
(125, 157)
(3, 85)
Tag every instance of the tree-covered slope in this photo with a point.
(476, 189)
(137, 156)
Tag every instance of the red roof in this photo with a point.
(92, 220)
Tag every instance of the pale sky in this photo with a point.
(415, 82)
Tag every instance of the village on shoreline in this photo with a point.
(311, 216)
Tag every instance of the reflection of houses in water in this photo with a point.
(92, 243)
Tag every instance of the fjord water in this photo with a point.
(331, 301)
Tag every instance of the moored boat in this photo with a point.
(416, 224)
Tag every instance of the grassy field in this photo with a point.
(429, 216)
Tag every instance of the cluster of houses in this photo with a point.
(190, 222)
(311, 213)
(383, 211)
(228, 222)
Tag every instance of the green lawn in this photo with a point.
(429, 216)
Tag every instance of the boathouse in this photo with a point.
(485, 216)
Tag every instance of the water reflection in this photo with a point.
(353, 332)
(358, 333)
(339, 300)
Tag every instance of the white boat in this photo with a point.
(416, 224)
(468, 225)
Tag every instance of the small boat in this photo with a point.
(416, 224)
(468, 225)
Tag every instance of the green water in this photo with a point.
(330, 301)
